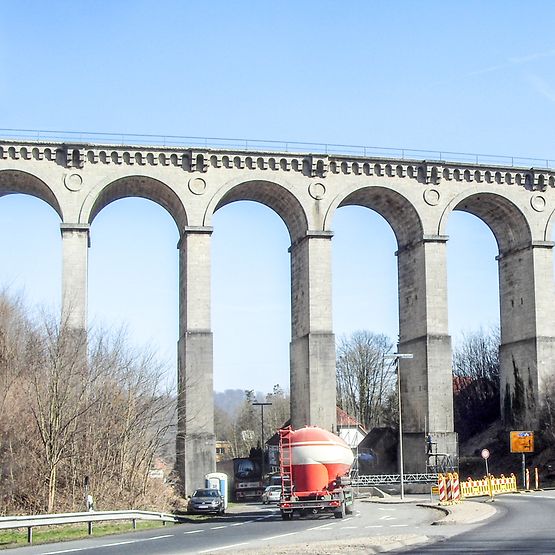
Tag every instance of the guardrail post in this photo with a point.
(89, 527)
(29, 534)
(134, 520)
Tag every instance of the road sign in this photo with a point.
(485, 453)
(522, 442)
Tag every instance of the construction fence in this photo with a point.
(450, 490)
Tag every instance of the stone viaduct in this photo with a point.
(416, 197)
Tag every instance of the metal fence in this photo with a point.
(30, 522)
(87, 137)
(381, 479)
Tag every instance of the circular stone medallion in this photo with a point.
(431, 196)
(73, 181)
(316, 191)
(538, 203)
(197, 185)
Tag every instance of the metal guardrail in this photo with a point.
(29, 522)
(380, 479)
(273, 146)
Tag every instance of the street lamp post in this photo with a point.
(396, 357)
(262, 405)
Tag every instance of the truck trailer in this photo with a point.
(314, 468)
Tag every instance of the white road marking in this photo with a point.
(223, 547)
(108, 545)
(348, 527)
(321, 526)
(193, 531)
(398, 525)
(387, 517)
(218, 527)
(375, 526)
(382, 509)
(279, 536)
(65, 551)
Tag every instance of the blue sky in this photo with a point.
(468, 76)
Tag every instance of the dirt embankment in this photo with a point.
(501, 461)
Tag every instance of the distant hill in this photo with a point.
(230, 400)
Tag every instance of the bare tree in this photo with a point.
(277, 414)
(476, 382)
(365, 381)
(73, 407)
(60, 393)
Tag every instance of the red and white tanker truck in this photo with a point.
(314, 467)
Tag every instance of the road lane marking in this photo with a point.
(382, 509)
(348, 527)
(321, 526)
(223, 547)
(218, 527)
(398, 525)
(193, 531)
(66, 551)
(113, 544)
(387, 517)
(279, 536)
(375, 526)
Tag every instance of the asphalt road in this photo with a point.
(260, 529)
(523, 523)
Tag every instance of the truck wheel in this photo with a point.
(350, 509)
(340, 513)
(286, 516)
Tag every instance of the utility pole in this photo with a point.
(396, 357)
(262, 405)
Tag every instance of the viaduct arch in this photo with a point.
(414, 196)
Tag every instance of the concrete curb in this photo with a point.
(466, 512)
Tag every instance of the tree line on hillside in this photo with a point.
(241, 426)
(366, 381)
(72, 409)
(366, 386)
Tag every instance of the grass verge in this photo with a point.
(49, 534)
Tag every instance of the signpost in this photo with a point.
(485, 456)
(522, 442)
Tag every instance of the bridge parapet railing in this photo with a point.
(87, 137)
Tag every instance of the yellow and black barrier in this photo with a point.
(451, 490)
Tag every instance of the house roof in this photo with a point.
(345, 420)
(461, 382)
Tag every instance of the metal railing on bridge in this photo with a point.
(382, 479)
(88, 137)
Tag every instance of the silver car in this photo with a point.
(206, 501)
(271, 494)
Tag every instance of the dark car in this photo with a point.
(206, 501)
